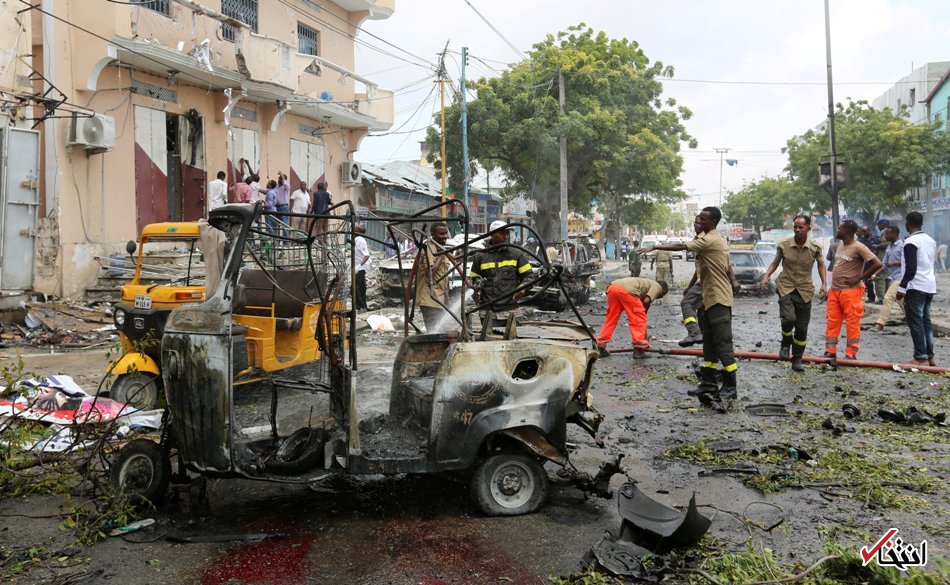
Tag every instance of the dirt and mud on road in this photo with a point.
(783, 490)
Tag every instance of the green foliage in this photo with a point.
(589, 577)
(871, 473)
(623, 139)
(762, 204)
(887, 156)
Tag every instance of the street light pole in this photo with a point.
(831, 127)
(721, 151)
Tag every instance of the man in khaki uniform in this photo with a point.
(798, 255)
(632, 296)
(712, 266)
(432, 282)
(664, 266)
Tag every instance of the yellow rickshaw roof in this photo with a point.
(171, 229)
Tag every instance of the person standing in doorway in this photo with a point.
(846, 298)
(363, 264)
(217, 192)
(300, 203)
(892, 271)
(918, 286)
(712, 266)
(798, 255)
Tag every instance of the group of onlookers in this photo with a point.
(275, 195)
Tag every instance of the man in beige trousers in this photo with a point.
(892, 272)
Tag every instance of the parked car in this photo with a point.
(767, 250)
(649, 244)
(749, 268)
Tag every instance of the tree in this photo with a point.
(764, 203)
(887, 157)
(622, 138)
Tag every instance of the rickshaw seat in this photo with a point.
(259, 291)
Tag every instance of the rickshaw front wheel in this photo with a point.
(139, 389)
(509, 484)
(142, 469)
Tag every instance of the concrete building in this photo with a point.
(912, 92)
(161, 95)
(19, 152)
(936, 203)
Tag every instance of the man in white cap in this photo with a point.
(498, 271)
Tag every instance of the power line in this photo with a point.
(351, 36)
(497, 32)
(361, 29)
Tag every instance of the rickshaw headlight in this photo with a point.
(119, 317)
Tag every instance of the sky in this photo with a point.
(753, 72)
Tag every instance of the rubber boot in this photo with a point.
(707, 383)
(694, 335)
(797, 352)
(728, 390)
(786, 348)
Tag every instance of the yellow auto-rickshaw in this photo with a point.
(169, 271)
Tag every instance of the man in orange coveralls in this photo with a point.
(845, 299)
(633, 296)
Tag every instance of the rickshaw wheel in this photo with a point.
(139, 390)
(141, 469)
(509, 484)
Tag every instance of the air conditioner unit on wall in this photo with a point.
(352, 172)
(95, 133)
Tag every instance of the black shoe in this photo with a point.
(692, 339)
(784, 352)
(707, 383)
(603, 351)
(639, 354)
(832, 359)
(797, 364)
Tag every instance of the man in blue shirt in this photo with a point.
(891, 272)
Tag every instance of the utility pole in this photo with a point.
(721, 151)
(465, 179)
(442, 80)
(831, 127)
(561, 99)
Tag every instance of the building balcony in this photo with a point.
(262, 68)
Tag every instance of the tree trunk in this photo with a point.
(548, 220)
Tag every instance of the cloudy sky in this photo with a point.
(752, 71)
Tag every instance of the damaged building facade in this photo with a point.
(138, 105)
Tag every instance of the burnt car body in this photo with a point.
(496, 408)
(749, 268)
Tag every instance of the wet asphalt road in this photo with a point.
(426, 530)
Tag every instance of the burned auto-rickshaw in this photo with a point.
(495, 406)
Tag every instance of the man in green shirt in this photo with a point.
(798, 255)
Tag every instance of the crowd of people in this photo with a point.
(902, 270)
(275, 195)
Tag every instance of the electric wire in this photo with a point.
(425, 64)
(497, 32)
(361, 29)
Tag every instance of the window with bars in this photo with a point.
(308, 40)
(159, 6)
(243, 10)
